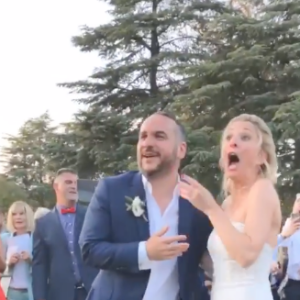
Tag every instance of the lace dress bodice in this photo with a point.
(233, 282)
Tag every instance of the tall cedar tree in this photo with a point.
(10, 192)
(25, 161)
(141, 45)
(252, 66)
(66, 148)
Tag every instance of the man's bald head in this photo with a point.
(161, 145)
(177, 125)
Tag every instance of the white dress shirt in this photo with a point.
(293, 247)
(163, 282)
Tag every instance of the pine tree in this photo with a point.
(25, 161)
(10, 192)
(252, 66)
(142, 45)
(66, 149)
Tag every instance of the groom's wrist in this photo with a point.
(143, 259)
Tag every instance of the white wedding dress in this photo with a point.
(231, 281)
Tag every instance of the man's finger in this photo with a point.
(183, 186)
(162, 231)
(207, 283)
(173, 239)
(191, 181)
(184, 190)
(176, 250)
(181, 247)
(171, 256)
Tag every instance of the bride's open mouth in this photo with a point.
(233, 160)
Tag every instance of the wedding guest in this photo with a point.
(58, 270)
(283, 263)
(278, 271)
(17, 246)
(275, 279)
(290, 238)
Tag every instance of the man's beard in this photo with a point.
(161, 169)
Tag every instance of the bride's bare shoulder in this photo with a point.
(264, 188)
(263, 196)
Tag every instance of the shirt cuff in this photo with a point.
(144, 261)
(280, 239)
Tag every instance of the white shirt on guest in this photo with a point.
(163, 282)
(17, 244)
(293, 247)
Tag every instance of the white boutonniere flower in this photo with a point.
(136, 206)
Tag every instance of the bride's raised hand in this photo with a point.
(191, 190)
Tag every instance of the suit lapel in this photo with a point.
(185, 217)
(184, 228)
(137, 190)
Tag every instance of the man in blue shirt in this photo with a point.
(58, 271)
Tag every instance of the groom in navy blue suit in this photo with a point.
(146, 240)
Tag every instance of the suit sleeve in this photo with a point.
(96, 242)
(39, 265)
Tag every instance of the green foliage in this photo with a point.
(141, 45)
(10, 192)
(252, 66)
(25, 161)
(215, 61)
(106, 136)
(33, 156)
(205, 60)
(66, 148)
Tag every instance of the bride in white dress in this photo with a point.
(247, 224)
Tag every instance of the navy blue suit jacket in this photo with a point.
(52, 271)
(110, 237)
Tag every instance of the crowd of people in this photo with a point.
(159, 234)
(41, 253)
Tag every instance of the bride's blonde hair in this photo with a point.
(269, 168)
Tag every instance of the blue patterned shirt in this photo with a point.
(68, 222)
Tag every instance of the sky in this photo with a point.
(36, 53)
